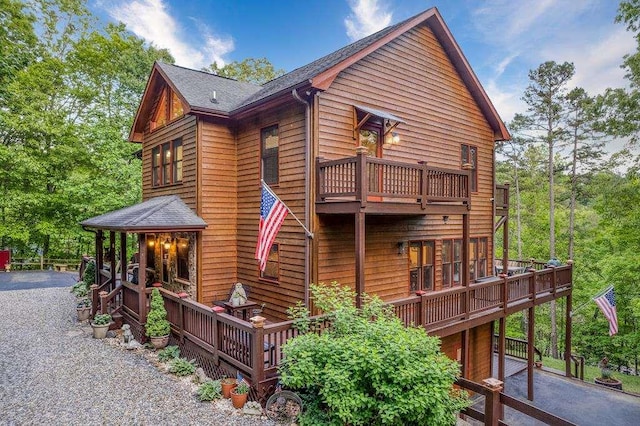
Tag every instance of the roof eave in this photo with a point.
(275, 98)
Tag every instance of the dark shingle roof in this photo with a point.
(160, 213)
(197, 88)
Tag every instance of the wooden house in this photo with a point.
(384, 150)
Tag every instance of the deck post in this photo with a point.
(465, 353)
(424, 187)
(142, 278)
(501, 348)
(112, 260)
(360, 255)
(492, 405)
(94, 299)
(567, 336)
(465, 262)
(505, 237)
(258, 354)
(362, 183)
(530, 353)
(103, 302)
(99, 256)
(123, 257)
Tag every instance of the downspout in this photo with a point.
(307, 192)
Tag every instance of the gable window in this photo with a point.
(166, 163)
(469, 158)
(451, 262)
(477, 258)
(168, 108)
(272, 270)
(421, 261)
(270, 146)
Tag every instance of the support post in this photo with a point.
(99, 256)
(112, 259)
(530, 352)
(567, 335)
(465, 263)
(142, 279)
(123, 257)
(492, 405)
(258, 354)
(103, 302)
(465, 353)
(360, 255)
(362, 183)
(501, 347)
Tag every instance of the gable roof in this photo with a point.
(320, 73)
(164, 213)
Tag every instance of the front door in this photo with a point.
(370, 136)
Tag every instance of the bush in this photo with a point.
(367, 368)
(102, 319)
(210, 390)
(157, 324)
(169, 353)
(89, 276)
(182, 367)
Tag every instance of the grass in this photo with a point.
(629, 383)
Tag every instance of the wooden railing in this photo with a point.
(516, 348)
(492, 410)
(359, 177)
(33, 263)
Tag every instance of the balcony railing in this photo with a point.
(362, 178)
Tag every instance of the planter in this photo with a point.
(238, 399)
(610, 383)
(83, 313)
(160, 342)
(227, 386)
(100, 331)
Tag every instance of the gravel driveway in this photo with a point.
(53, 372)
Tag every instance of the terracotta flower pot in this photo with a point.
(160, 342)
(238, 399)
(227, 386)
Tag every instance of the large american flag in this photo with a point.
(272, 214)
(607, 304)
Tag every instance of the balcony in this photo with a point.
(381, 186)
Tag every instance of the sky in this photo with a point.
(501, 39)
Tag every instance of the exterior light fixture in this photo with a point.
(167, 244)
(395, 138)
(152, 242)
(402, 246)
(445, 219)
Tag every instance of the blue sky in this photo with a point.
(502, 39)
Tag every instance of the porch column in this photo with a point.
(465, 353)
(112, 259)
(465, 264)
(530, 352)
(501, 347)
(99, 256)
(567, 336)
(123, 257)
(360, 252)
(142, 278)
(505, 243)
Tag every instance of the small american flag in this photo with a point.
(607, 304)
(272, 214)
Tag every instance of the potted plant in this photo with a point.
(606, 376)
(228, 384)
(157, 326)
(100, 325)
(84, 308)
(239, 394)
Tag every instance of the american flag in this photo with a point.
(272, 214)
(607, 304)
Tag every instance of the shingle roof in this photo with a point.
(197, 87)
(156, 214)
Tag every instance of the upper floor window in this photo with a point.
(166, 163)
(272, 270)
(168, 108)
(477, 258)
(421, 265)
(270, 145)
(469, 156)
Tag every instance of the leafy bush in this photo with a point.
(367, 368)
(242, 388)
(102, 319)
(169, 353)
(157, 324)
(210, 390)
(182, 367)
(89, 276)
(79, 289)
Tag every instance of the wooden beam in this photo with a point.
(530, 353)
(465, 353)
(123, 257)
(501, 348)
(360, 255)
(567, 335)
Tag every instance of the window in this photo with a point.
(477, 257)
(151, 251)
(421, 260)
(451, 262)
(270, 145)
(182, 255)
(272, 270)
(168, 108)
(177, 109)
(166, 163)
(469, 155)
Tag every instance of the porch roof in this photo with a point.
(158, 214)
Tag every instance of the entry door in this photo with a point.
(371, 137)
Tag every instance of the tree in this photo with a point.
(257, 71)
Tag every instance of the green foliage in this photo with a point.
(157, 324)
(102, 319)
(79, 289)
(257, 71)
(242, 388)
(169, 353)
(182, 367)
(366, 368)
(209, 390)
(83, 303)
(89, 277)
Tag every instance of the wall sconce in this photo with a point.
(445, 219)
(152, 242)
(402, 247)
(395, 138)
(167, 244)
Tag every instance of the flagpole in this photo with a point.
(601, 292)
(309, 233)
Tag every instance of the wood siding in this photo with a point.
(412, 78)
(218, 206)
(480, 351)
(291, 188)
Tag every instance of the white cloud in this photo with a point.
(150, 19)
(367, 17)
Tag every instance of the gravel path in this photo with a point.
(53, 372)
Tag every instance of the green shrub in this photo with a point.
(210, 390)
(182, 367)
(79, 289)
(169, 353)
(157, 324)
(89, 276)
(102, 319)
(242, 388)
(367, 368)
